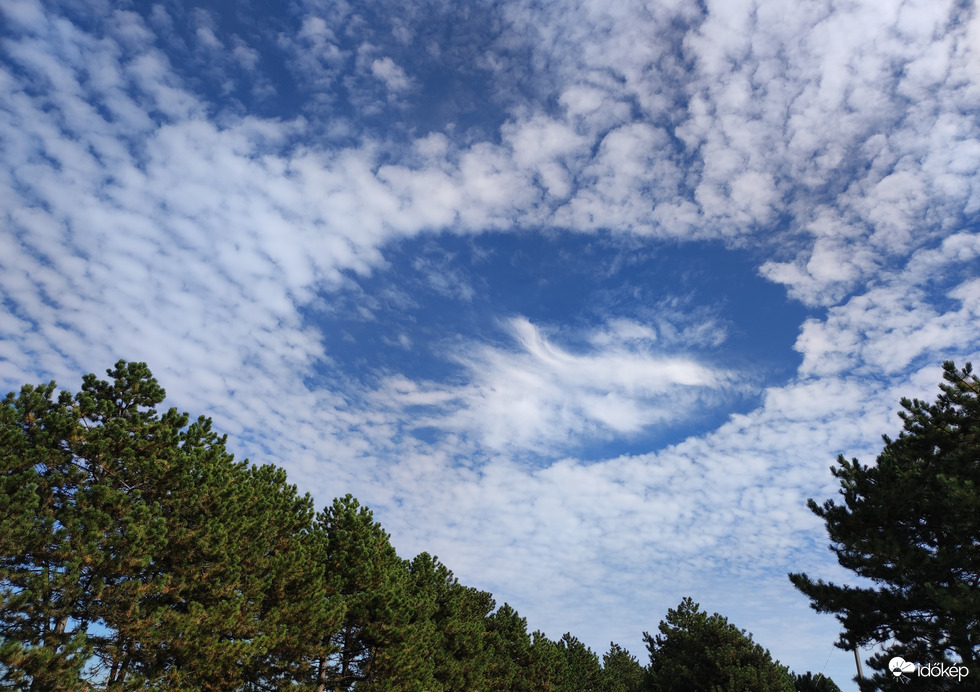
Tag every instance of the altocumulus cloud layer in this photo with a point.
(208, 191)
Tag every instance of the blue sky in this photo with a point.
(583, 298)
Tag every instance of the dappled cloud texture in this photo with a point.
(151, 215)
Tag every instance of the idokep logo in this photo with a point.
(900, 667)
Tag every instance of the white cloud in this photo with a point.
(246, 56)
(623, 331)
(839, 142)
(543, 397)
(391, 74)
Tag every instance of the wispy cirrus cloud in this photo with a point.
(541, 397)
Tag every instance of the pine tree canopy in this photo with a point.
(697, 652)
(909, 526)
(621, 672)
(137, 554)
(815, 683)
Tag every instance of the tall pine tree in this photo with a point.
(621, 672)
(508, 647)
(584, 673)
(378, 645)
(452, 619)
(696, 651)
(46, 563)
(136, 553)
(910, 523)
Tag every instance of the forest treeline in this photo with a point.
(136, 553)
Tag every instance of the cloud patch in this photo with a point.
(391, 74)
(538, 396)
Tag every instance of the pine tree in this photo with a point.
(454, 624)
(44, 563)
(814, 683)
(508, 647)
(377, 646)
(621, 672)
(696, 651)
(910, 524)
(286, 584)
(134, 550)
(584, 673)
(548, 669)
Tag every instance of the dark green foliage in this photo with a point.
(292, 597)
(621, 672)
(695, 651)
(518, 661)
(911, 524)
(508, 647)
(378, 646)
(135, 552)
(583, 671)
(548, 669)
(815, 683)
(43, 562)
(450, 622)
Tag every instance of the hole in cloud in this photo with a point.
(538, 346)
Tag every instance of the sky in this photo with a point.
(583, 297)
